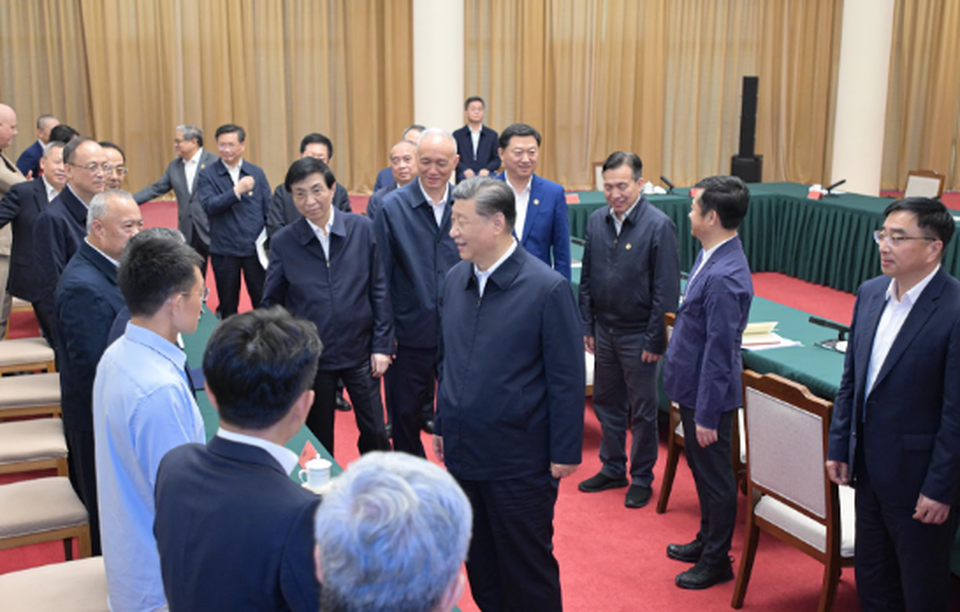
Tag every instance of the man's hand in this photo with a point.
(484, 172)
(29, 176)
(931, 512)
(559, 470)
(243, 185)
(438, 447)
(839, 472)
(706, 437)
(379, 364)
(590, 343)
(468, 173)
(648, 357)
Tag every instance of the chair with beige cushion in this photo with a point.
(26, 355)
(33, 395)
(36, 444)
(790, 496)
(43, 510)
(74, 586)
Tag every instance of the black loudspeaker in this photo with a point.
(750, 169)
(745, 164)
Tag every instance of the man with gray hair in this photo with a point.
(392, 534)
(29, 160)
(88, 299)
(181, 177)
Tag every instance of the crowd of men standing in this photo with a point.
(454, 290)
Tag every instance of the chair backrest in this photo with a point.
(787, 430)
(924, 183)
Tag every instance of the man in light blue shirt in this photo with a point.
(143, 406)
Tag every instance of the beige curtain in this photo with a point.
(923, 101)
(131, 70)
(659, 77)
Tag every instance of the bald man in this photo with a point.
(403, 169)
(10, 175)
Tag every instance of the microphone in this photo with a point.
(838, 344)
(667, 183)
(829, 190)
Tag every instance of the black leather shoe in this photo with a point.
(703, 576)
(602, 482)
(342, 404)
(688, 553)
(638, 496)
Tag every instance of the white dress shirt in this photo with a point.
(482, 276)
(284, 456)
(51, 190)
(618, 222)
(522, 198)
(323, 234)
(475, 137)
(190, 169)
(438, 207)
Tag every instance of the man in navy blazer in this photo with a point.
(234, 531)
(702, 372)
(510, 399)
(895, 433)
(21, 207)
(413, 234)
(476, 143)
(235, 195)
(29, 160)
(88, 300)
(403, 166)
(60, 228)
(542, 227)
(182, 177)
(326, 268)
(385, 177)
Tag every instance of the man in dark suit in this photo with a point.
(233, 529)
(88, 300)
(326, 268)
(895, 432)
(702, 372)
(181, 176)
(283, 211)
(21, 207)
(413, 234)
(476, 143)
(235, 195)
(29, 160)
(510, 399)
(629, 281)
(385, 177)
(403, 165)
(61, 227)
(542, 225)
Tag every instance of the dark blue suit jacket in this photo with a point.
(29, 160)
(416, 256)
(234, 532)
(546, 230)
(375, 203)
(57, 235)
(912, 415)
(703, 367)
(88, 300)
(384, 179)
(487, 155)
(511, 380)
(346, 298)
(21, 206)
(234, 223)
(190, 215)
(283, 211)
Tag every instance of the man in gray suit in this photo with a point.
(181, 176)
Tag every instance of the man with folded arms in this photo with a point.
(143, 406)
(233, 530)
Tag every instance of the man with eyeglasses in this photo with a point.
(88, 299)
(118, 168)
(61, 227)
(895, 431)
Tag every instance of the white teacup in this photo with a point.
(317, 474)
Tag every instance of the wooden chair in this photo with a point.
(78, 586)
(17, 306)
(36, 444)
(675, 441)
(924, 183)
(33, 395)
(26, 355)
(790, 496)
(43, 510)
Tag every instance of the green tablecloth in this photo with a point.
(828, 241)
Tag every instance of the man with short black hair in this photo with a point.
(283, 211)
(403, 504)
(630, 279)
(326, 268)
(143, 406)
(385, 177)
(236, 197)
(702, 372)
(118, 167)
(476, 143)
(895, 432)
(29, 160)
(256, 523)
(542, 227)
(64, 133)
(182, 176)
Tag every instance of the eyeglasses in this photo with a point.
(120, 170)
(880, 237)
(93, 167)
(204, 293)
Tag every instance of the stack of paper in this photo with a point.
(760, 336)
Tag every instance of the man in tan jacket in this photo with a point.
(9, 176)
